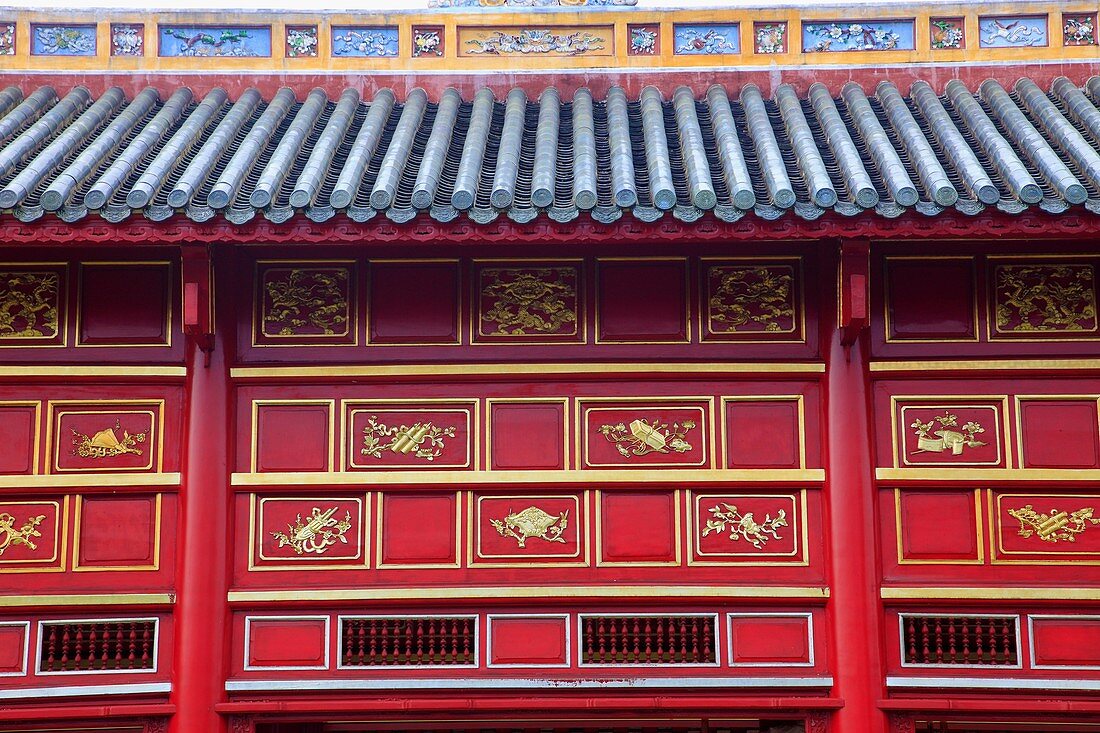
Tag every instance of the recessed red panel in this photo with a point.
(1065, 641)
(529, 528)
(527, 436)
(951, 434)
(420, 436)
(118, 531)
(13, 648)
(414, 303)
(536, 641)
(645, 435)
(125, 305)
(419, 529)
(931, 299)
(107, 438)
(1060, 433)
(639, 527)
(747, 421)
(747, 527)
(287, 643)
(642, 301)
(315, 529)
(293, 437)
(764, 640)
(18, 431)
(938, 526)
(34, 538)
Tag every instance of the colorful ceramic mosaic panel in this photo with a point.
(1001, 31)
(645, 39)
(301, 41)
(1079, 29)
(856, 35)
(215, 41)
(769, 37)
(427, 41)
(63, 40)
(359, 42)
(545, 41)
(706, 40)
(127, 39)
(7, 39)
(947, 33)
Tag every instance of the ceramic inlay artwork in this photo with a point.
(643, 39)
(301, 42)
(215, 41)
(427, 41)
(706, 39)
(63, 40)
(947, 33)
(770, 37)
(528, 3)
(364, 42)
(853, 35)
(7, 39)
(1079, 29)
(527, 41)
(127, 39)
(1012, 31)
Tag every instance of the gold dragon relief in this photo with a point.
(1042, 299)
(306, 303)
(29, 305)
(751, 299)
(528, 302)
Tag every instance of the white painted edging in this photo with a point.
(142, 688)
(993, 683)
(522, 683)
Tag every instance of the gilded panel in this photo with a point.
(32, 304)
(753, 300)
(952, 431)
(305, 304)
(294, 532)
(747, 529)
(528, 530)
(1044, 300)
(529, 303)
(101, 436)
(33, 535)
(412, 434)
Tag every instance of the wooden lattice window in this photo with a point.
(408, 641)
(686, 639)
(960, 640)
(95, 646)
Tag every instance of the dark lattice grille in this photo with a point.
(412, 641)
(647, 640)
(966, 640)
(91, 646)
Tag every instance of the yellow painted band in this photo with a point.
(549, 591)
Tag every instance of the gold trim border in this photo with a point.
(987, 474)
(511, 369)
(115, 480)
(92, 599)
(992, 594)
(125, 372)
(465, 478)
(78, 518)
(985, 364)
(979, 535)
(60, 559)
(545, 591)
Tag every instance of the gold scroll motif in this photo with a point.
(949, 438)
(105, 443)
(644, 437)
(10, 536)
(531, 302)
(29, 305)
(307, 302)
(1045, 298)
(532, 522)
(743, 525)
(1054, 527)
(423, 440)
(320, 531)
(752, 299)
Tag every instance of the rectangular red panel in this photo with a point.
(771, 639)
(1065, 641)
(13, 648)
(950, 432)
(414, 303)
(642, 301)
(752, 300)
(1060, 433)
(286, 642)
(35, 304)
(110, 436)
(300, 530)
(529, 303)
(937, 526)
(32, 534)
(418, 529)
(293, 436)
(305, 304)
(124, 304)
(764, 433)
(1039, 528)
(529, 529)
(527, 435)
(529, 641)
(412, 435)
(1043, 300)
(118, 532)
(639, 527)
(931, 299)
(646, 434)
(19, 436)
(746, 528)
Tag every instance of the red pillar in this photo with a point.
(202, 576)
(855, 605)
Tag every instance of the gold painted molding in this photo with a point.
(993, 594)
(371, 478)
(987, 474)
(986, 365)
(450, 370)
(97, 599)
(549, 591)
(60, 481)
(122, 372)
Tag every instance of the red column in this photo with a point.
(202, 576)
(855, 605)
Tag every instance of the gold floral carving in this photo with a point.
(532, 522)
(642, 437)
(1054, 527)
(320, 531)
(29, 305)
(106, 444)
(423, 440)
(757, 298)
(949, 438)
(307, 302)
(10, 536)
(743, 525)
(1046, 298)
(529, 302)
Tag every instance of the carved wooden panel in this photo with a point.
(306, 303)
(33, 534)
(735, 528)
(33, 304)
(530, 529)
(1043, 299)
(1045, 527)
(523, 302)
(958, 432)
(412, 434)
(105, 436)
(644, 433)
(319, 530)
(752, 300)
